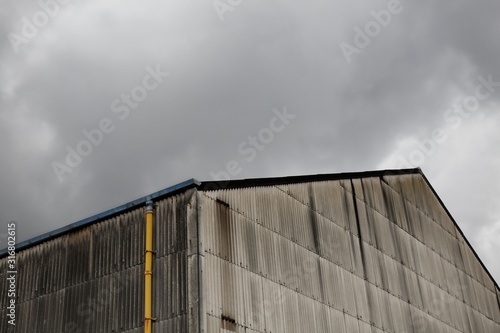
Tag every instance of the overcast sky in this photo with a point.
(173, 90)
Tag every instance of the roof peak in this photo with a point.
(205, 185)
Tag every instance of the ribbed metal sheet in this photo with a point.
(375, 254)
(91, 280)
(371, 253)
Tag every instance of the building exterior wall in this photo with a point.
(92, 279)
(353, 254)
(376, 254)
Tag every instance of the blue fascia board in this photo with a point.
(100, 216)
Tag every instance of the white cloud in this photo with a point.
(488, 246)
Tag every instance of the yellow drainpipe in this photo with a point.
(148, 270)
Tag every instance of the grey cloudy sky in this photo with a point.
(372, 84)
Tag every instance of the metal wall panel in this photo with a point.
(91, 279)
(372, 254)
(359, 255)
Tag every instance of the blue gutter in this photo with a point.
(107, 214)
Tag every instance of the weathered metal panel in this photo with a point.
(91, 279)
(175, 264)
(367, 254)
(361, 255)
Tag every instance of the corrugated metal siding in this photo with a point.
(83, 281)
(372, 254)
(361, 255)
(91, 280)
(175, 294)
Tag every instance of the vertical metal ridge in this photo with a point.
(401, 256)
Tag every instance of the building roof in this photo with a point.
(229, 184)
(104, 215)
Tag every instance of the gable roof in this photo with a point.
(234, 184)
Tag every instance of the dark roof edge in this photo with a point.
(205, 185)
(104, 215)
(252, 182)
(460, 230)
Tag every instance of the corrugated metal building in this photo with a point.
(360, 252)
